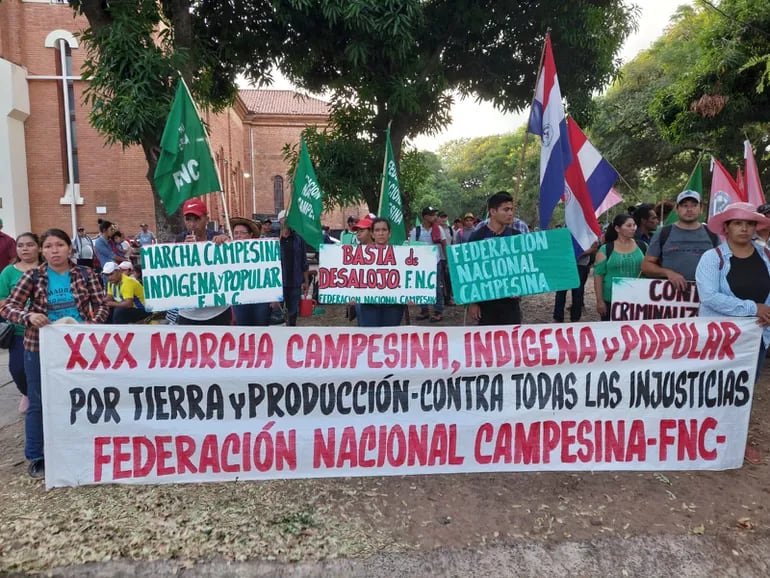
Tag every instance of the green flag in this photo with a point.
(694, 184)
(304, 214)
(390, 196)
(185, 167)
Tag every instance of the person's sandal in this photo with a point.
(436, 318)
(423, 317)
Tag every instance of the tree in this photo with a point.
(485, 165)
(624, 128)
(135, 51)
(722, 96)
(399, 61)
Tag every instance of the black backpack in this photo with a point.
(665, 232)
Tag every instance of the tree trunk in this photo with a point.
(168, 226)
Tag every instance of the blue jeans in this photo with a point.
(438, 308)
(33, 421)
(252, 314)
(16, 363)
(379, 315)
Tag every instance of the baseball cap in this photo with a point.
(684, 195)
(194, 207)
(125, 266)
(429, 211)
(109, 268)
(469, 216)
(143, 225)
(363, 223)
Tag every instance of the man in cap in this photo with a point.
(195, 219)
(125, 295)
(468, 224)
(145, 236)
(429, 232)
(675, 249)
(83, 246)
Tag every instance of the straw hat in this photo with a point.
(255, 229)
(737, 211)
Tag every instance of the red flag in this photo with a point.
(753, 188)
(741, 182)
(724, 190)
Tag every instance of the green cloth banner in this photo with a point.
(512, 266)
(391, 207)
(306, 203)
(185, 168)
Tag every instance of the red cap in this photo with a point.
(194, 207)
(363, 223)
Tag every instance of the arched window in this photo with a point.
(278, 193)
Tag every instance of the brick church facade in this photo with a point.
(57, 171)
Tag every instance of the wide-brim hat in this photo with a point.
(255, 229)
(737, 211)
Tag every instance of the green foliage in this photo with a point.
(699, 88)
(130, 70)
(401, 61)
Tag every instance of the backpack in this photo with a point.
(666, 231)
(610, 247)
(722, 257)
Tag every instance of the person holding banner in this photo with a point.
(194, 211)
(55, 290)
(249, 314)
(620, 256)
(506, 311)
(295, 270)
(733, 279)
(378, 315)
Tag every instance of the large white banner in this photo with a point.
(162, 404)
(194, 275)
(377, 274)
(635, 299)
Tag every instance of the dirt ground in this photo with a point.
(308, 520)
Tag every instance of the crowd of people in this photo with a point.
(55, 279)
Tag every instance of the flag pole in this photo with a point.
(213, 160)
(526, 132)
(384, 171)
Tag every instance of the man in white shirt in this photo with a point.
(84, 248)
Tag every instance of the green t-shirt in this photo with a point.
(8, 279)
(618, 265)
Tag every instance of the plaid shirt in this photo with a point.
(89, 299)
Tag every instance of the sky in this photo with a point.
(473, 119)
